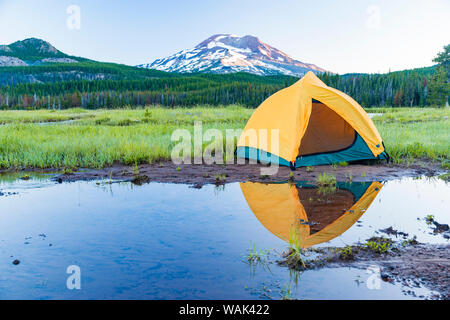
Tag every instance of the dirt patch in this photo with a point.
(200, 174)
(412, 264)
(415, 266)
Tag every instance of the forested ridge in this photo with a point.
(398, 89)
(106, 85)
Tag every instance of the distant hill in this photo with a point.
(38, 75)
(33, 51)
(227, 53)
(37, 61)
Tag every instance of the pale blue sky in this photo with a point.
(341, 36)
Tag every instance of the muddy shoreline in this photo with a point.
(420, 265)
(414, 266)
(201, 174)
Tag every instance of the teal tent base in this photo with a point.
(357, 151)
(357, 188)
(261, 156)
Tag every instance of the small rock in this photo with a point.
(440, 227)
(385, 276)
(392, 231)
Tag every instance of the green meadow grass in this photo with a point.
(35, 116)
(98, 138)
(404, 115)
(415, 133)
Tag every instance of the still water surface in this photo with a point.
(171, 241)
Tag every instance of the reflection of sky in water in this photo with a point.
(399, 204)
(171, 241)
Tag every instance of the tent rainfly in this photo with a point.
(284, 207)
(316, 125)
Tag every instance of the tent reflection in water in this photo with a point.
(283, 206)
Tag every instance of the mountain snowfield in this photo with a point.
(227, 53)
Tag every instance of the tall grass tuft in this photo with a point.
(294, 257)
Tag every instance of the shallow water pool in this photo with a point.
(172, 241)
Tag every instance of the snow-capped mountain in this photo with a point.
(225, 53)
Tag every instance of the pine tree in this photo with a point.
(439, 89)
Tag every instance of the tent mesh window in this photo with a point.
(326, 132)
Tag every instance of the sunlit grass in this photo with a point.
(100, 138)
(417, 140)
(378, 245)
(35, 116)
(326, 180)
(294, 257)
(415, 133)
(402, 115)
(326, 183)
(126, 137)
(256, 255)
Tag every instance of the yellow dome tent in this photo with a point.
(316, 125)
(317, 218)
